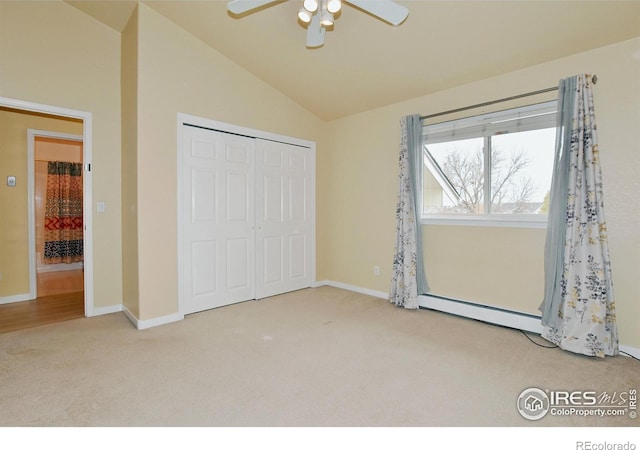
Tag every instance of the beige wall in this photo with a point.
(179, 73)
(54, 149)
(496, 266)
(14, 237)
(130, 166)
(55, 55)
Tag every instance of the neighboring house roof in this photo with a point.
(439, 175)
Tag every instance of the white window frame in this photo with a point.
(525, 118)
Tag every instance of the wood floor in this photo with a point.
(62, 299)
(44, 310)
(53, 283)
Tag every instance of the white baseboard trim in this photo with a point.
(129, 315)
(16, 298)
(350, 287)
(315, 284)
(484, 313)
(106, 310)
(635, 352)
(150, 323)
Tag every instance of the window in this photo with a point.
(490, 169)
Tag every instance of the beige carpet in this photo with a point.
(316, 357)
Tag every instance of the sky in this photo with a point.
(537, 145)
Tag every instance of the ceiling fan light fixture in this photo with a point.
(311, 5)
(318, 16)
(327, 19)
(304, 15)
(333, 6)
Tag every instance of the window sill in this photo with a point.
(498, 221)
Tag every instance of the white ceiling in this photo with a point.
(366, 63)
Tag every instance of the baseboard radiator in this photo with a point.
(484, 313)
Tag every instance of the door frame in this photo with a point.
(87, 188)
(190, 120)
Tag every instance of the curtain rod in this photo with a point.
(594, 80)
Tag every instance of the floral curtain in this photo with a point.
(63, 229)
(408, 279)
(578, 312)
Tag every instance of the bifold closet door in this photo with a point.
(218, 217)
(283, 218)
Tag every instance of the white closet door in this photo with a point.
(283, 218)
(218, 218)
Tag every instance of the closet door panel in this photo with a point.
(218, 219)
(283, 220)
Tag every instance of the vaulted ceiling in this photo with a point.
(366, 63)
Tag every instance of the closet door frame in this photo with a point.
(195, 121)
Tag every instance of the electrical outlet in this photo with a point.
(376, 271)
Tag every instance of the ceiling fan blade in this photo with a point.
(243, 6)
(315, 32)
(387, 10)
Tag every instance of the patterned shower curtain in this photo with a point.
(578, 312)
(63, 230)
(408, 280)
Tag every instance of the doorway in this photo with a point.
(79, 280)
(57, 180)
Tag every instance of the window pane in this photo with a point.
(453, 177)
(521, 168)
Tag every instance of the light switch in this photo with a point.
(101, 207)
(11, 181)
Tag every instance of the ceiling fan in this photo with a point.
(319, 15)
